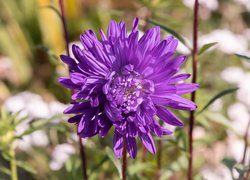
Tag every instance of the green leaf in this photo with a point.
(48, 51)
(7, 155)
(169, 30)
(205, 47)
(27, 167)
(4, 170)
(139, 167)
(97, 166)
(220, 119)
(115, 161)
(229, 163)
(243, 57)
(217, 96)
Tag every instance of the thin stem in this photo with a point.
(159, 157)
(194, 77)
(124, 162)
(248, 172)
(66, 39)
(246, 143)
(83, 158)
(13, 165)
(66, 36)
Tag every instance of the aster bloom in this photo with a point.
(126, 82)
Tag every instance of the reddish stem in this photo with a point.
(66, 36)
(124, 162)
(194, 78)
(83, 157)
(66, 39)
(159, 156)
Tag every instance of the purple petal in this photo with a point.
(77, 108)
(118, 144)
(185, 88)
(179, 77)
(168, 117)
(104, 130)
(174, 101)
(148, 142)
(85, 121)
(135, 24)
(75, 119)
(131, 146)
(66, 82)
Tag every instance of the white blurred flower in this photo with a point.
(25, 143)
(228, 42)
(217, 105)
(33, 106)
(61, 153)
(199, 132)
(245, 3)
(39, 138)
(181, 48)
(243, 94)
(236, 148)
(239, 116)
(209, 4)
(232, 74)
(216, 173)
(29, 103)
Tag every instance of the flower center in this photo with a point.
(126, 90)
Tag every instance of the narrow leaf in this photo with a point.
(115, 161)
(53, 9)
(217, 96)
(205, 47)
(169, 30)
(4, 170)
(243, 57)
(27, 167)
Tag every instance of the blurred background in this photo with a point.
(36, 135)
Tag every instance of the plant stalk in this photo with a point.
(13, 165)
(65, 31)
(66, 39)
(124, 162)
(83, 158)
(194, 78)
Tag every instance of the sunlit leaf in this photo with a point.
(169, 30)
(205, 47)
(115, 161)
(243, 57)
(217, 96)
(53, 9)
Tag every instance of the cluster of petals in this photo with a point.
(128, 83)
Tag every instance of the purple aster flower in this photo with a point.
(126, 81)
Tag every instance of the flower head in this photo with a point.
(126, 81)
